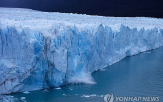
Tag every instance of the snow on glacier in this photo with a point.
(40, 50)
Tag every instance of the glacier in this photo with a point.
(41, 50)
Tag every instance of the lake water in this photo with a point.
(136, 76)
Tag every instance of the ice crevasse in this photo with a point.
(40, 50)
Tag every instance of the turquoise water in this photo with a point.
(140, 75)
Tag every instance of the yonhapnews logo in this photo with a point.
(108, 98)
(111, 98)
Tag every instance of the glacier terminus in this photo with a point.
(41, 50)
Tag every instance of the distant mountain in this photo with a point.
(121, 8)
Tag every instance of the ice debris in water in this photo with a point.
(45, 90)
(58, 88)
(6, 98)
(85, 96)
(26, 92)
(23, 98)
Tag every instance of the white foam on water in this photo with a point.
(83, 78)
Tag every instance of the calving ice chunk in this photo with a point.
(40, 50)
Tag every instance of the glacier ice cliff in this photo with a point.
(40, 50)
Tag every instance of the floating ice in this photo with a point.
(93, 95)
(58, 88)
(44, 91)
(64, 94)
(26, 92)
(22, 98)
(70, 88)
(85, 96)
(7, 98)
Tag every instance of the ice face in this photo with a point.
(41, 50)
